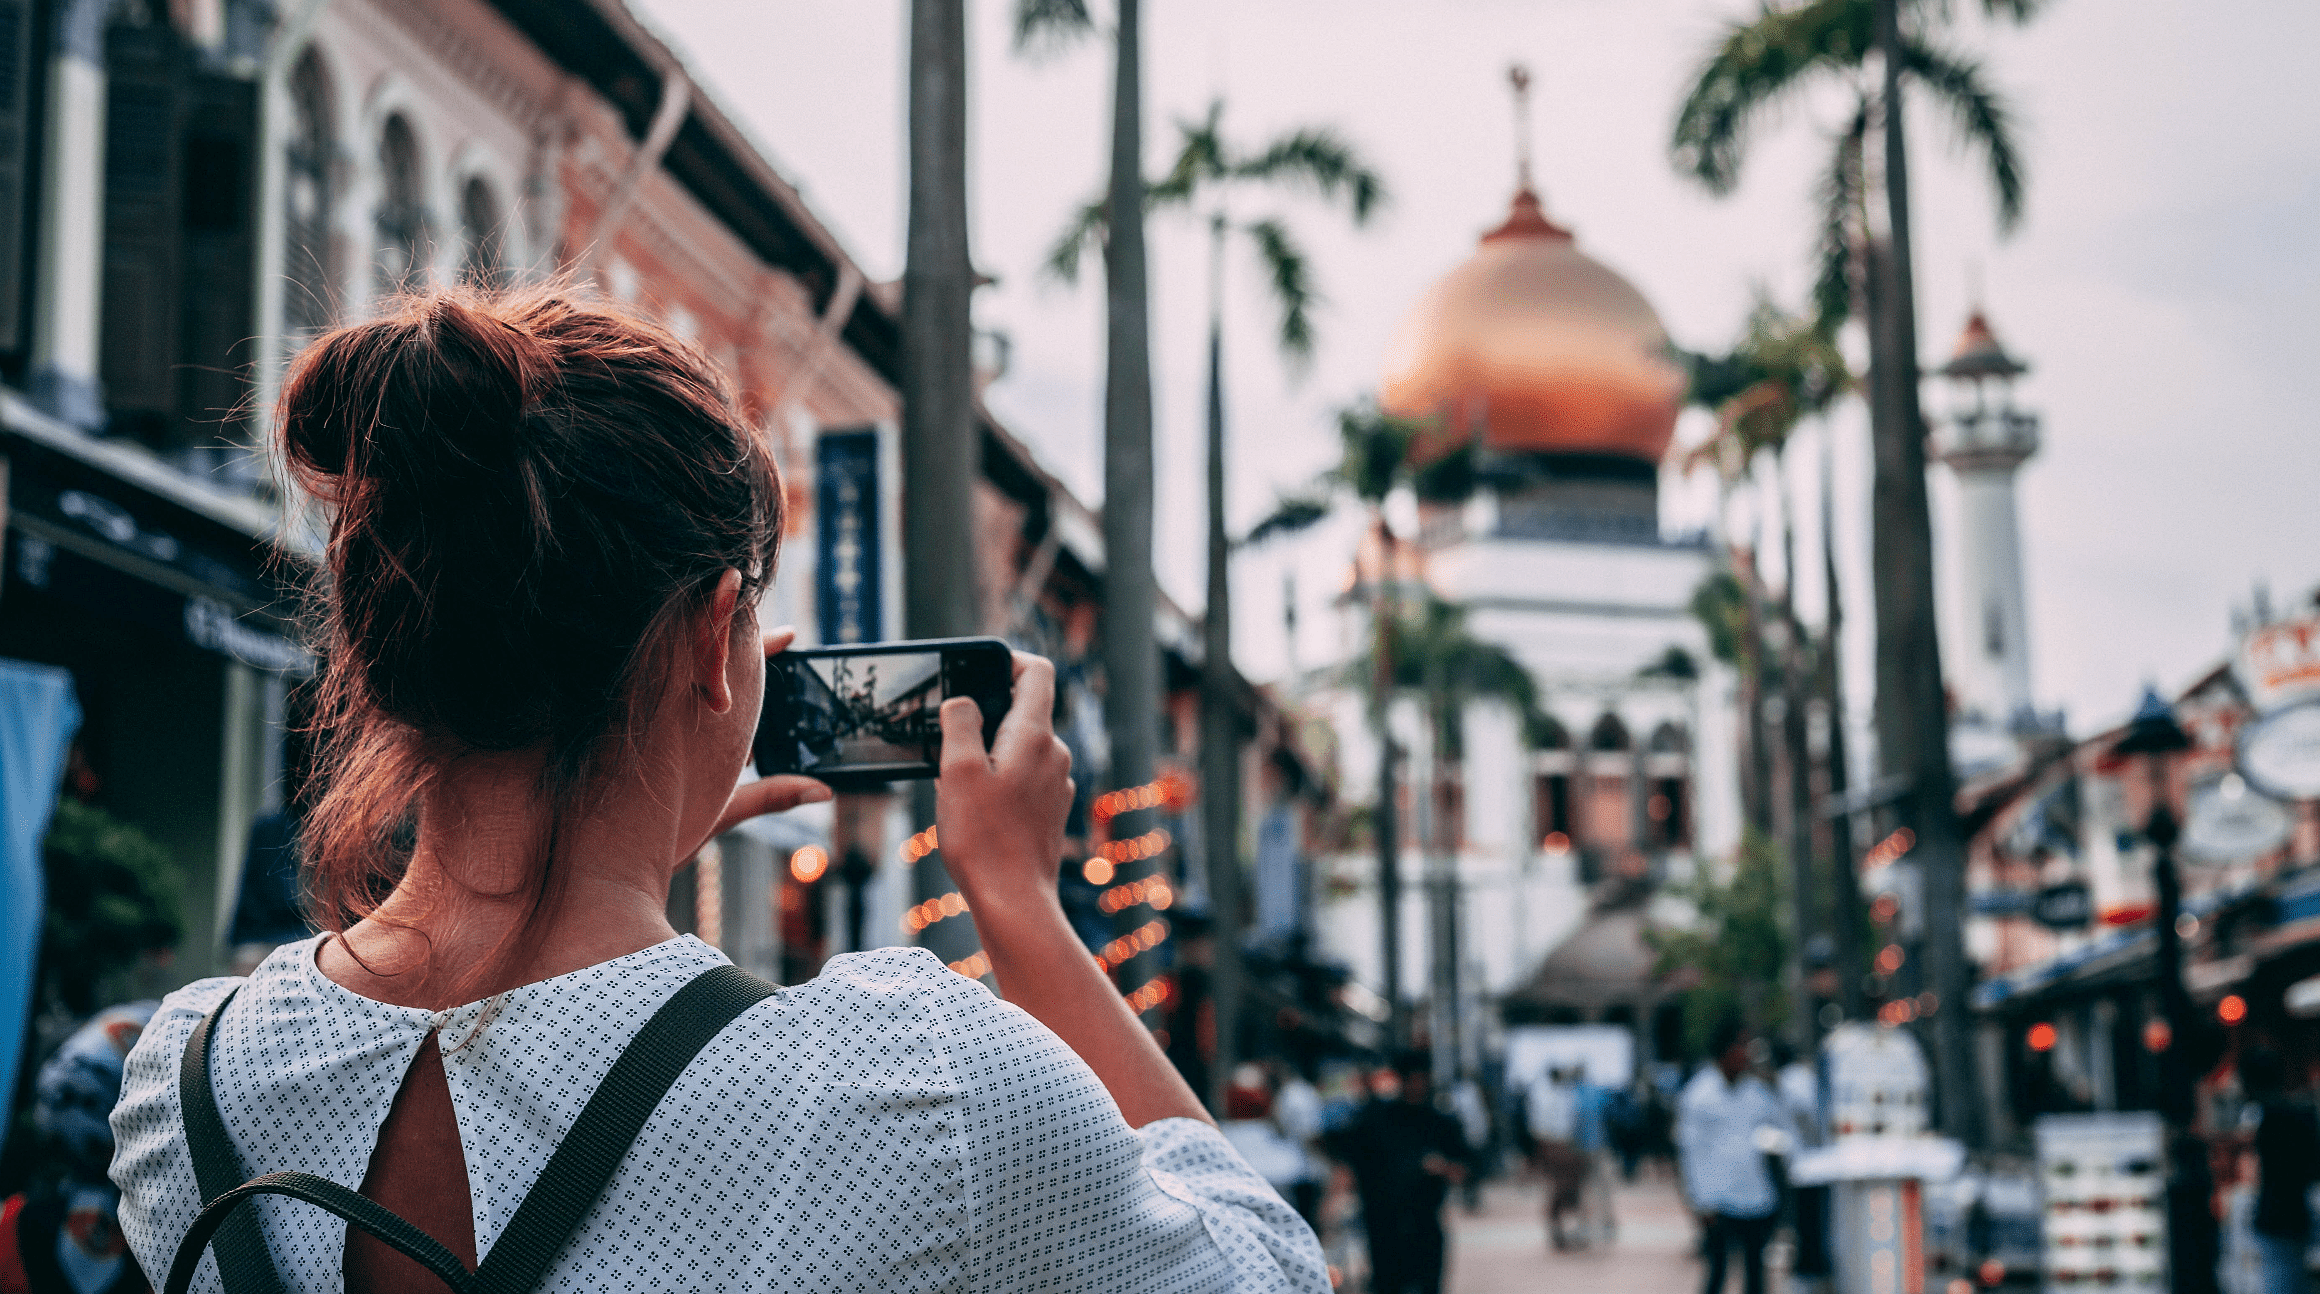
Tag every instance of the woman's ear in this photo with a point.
(712, 642)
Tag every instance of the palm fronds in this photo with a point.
(1088, 226)
(1843, 198)
(1286, 271)
(1980, 114)
(1755, 65)
(1045, 26)
(1319, 158)
(1291, 513)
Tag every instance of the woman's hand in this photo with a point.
(779, 793)
(999, 813)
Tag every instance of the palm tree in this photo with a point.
(1131, 653)
(1784, 369)
(938, 412)
(1754, 66)
(1439, 662)
(1375, 460)
(1210, 171)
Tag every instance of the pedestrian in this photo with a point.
(1297, 1112)
(548, 528)
(1552, 1107)
(62, 1234)
(1721, 1158)
(1472, 1110)
(1405, 1155)
(1799, 1085)
(1593, 1140)
(2287, 1160)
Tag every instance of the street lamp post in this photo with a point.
(2192, 1234)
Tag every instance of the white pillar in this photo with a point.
(68, 290)
(1994, 673)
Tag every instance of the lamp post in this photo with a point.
(2191, 1230)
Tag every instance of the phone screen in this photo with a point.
(863, 716)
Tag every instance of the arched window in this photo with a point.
(1609, 734)
(402, 213)
(310, 290)
(482, 236)
(1668, 739)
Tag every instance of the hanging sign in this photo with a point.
(847, 564)
(2232, 823)
(2279, 754)
(2067, 906)
(2279, 663)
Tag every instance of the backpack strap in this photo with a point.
(243, 1262)
(359, 1210)
(590, 1153)
(576, 1175)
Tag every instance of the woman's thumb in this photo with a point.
(962, 729)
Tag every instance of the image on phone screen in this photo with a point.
(865, 714)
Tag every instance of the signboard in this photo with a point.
(1605, 1051)
(2279, 663)
(2230, 823)
(849, 593)
(2279, 754)
(2103, 1181)
(2067, 906)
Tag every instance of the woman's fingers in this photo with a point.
(776, 794)
(962, 730)
(777, 641)
(1031, 715)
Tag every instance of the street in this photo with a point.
(1503, 1249)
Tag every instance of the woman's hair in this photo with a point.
(524, 492)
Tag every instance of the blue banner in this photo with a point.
(38, 717)
(849, 593)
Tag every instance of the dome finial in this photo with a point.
(1519, 77)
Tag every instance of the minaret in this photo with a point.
(1984, 443)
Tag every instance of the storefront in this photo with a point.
(167, 604)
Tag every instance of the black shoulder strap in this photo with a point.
(360, 1210)
(591, 1152)
(241, 1249)
(567, 1189)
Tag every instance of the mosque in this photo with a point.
(1535, 859)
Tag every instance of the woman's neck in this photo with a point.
(470, 918)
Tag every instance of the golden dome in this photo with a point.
(1541, 346)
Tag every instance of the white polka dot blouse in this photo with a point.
(890, 1126)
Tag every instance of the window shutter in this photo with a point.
(16, 82)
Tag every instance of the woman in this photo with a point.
(548, 532)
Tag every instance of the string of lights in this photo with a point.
(1100, 869)
(1155, 992)
(1128, 945)
(1890, 849)
(933, 910)
(1153, 890)
(974, 966)
(809, 863)
(919, 846)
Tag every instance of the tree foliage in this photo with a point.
(1311, 160)
(113, 898)
(1733, 955)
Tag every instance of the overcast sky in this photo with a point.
(2165, 287)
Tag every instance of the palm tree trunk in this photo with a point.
(1220, 745)
(1386, 820)
(938, 417)
(1796, 767)
(1845, 877)
(1912, 705)
(1131, 652)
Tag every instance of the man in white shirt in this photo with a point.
(1551, 1107)
(1725, 1177)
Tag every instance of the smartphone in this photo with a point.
(860, 717)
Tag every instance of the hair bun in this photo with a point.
(443, 400)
